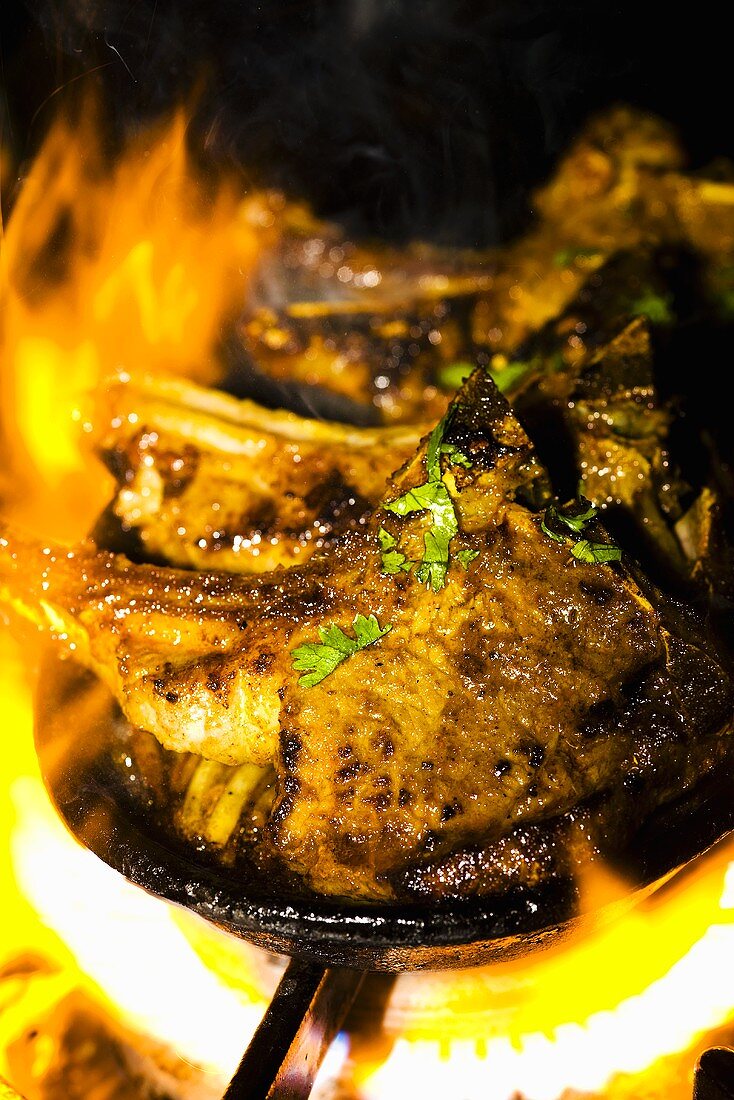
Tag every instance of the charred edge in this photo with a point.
(178, 470)
(263, 662)
(335, 503)
(600, 594)
(535, 753)
(482, 449)
(159, 687)
(349, 772)
(291, 746)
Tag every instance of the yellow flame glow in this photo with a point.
(573, 1049)
(129, 948)
(104, 267)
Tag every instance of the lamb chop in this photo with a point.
(465, 671)
(386, 343)
(207, 481)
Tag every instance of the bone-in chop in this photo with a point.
(517, 684)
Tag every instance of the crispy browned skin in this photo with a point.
(388, 364)
(196, 659)
(206, 481)
(525, 670)
(507, 697)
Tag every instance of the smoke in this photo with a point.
(401, 118)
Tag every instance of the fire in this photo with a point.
(613, 1002)
(127, 949)
(107, 265)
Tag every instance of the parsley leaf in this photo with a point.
(453, 375)
(418, 499)
(595, 552)
(432, 497)
(505, 377)
(368, 630)
(466, 557)
(318, 659)
(393, 561)
(570, 517)
(433, 451)
(508, 375)
(575, 521)
(456, 456)
(551, 534)
(435, 498)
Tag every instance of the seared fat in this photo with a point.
(207, 481)
(525, 685)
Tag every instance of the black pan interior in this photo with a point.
(73, 735)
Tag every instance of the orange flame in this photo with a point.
(612, 1001)
(104, 267)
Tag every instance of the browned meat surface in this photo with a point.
(515, 685)
(390, 364)
(206, 481)
(379, 325)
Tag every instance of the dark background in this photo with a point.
(401, 118)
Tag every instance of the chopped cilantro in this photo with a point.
(578, 520)
(435, 445)
(551, 534)
(572, 518)
(575, 518)
(466, 557)
(435, 498)
(423, 497)
(656, 307)
(392, 559)
(595, 552)
(455, 456)
(507, 376)
(564, 257)
(432, 497)
(318, 659)
(453, 375)
(434, 564)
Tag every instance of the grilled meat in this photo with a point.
(379, 325)
(513, 686)
(207, 481)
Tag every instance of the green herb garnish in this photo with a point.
(564, 257)
(595, 552)
(432, 497)
(455, 456)
(551, 534)
(466, 557)
(318, 659)
(392, 559)
(656, 307)
(575, 520)
(506, 378)
(453, 375)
